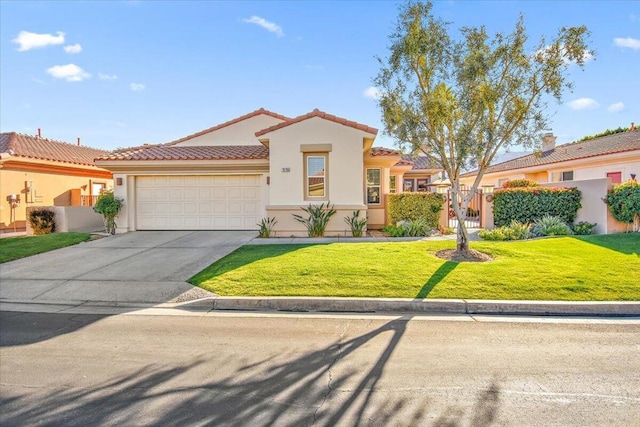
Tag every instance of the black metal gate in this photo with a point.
(474, 209)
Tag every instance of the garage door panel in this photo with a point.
(198, 202)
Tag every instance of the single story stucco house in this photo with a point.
(258, 165)
(37, 171)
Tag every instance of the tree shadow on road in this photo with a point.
(304, 390)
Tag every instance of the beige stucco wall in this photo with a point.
(241, 133)
(288, 226)
(344, 169)
(593, 209)
(48, 189)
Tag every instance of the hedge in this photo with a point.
(531, 203)
(415, 206)
(624, 201)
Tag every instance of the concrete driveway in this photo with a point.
(136, 267)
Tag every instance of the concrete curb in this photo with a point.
(423, 306)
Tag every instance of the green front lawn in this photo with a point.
(19, 247)
(590, 268)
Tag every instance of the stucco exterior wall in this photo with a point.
(593, 209)
(47, 189)
(241, 133)
(288, 226)
(344, 167)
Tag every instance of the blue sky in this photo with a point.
(123, 73)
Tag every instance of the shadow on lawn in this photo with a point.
(436, 278)
(626, 243)
(314, 388)
(245, 255)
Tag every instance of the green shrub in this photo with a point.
(356, 223)
(583, 228)
(108, 206)
(550, 226)
(624, 201)
(414, 206)
(415, 228)
(531, 203)
(319, 216)
(519, 183)
(514, 231)
(42, 221)
(266, 227)
(395, 230)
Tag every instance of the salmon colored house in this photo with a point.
(36, 171)
(616, 157)
(258, 165)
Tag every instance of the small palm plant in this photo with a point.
(319, 216)
(266, 226)
(356, 223)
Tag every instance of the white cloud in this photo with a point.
(272, 27)
(583, 104)
(136, 87)
(628, 42)
(371, 93)
(614, 108)
(28, 41)
(69, 72)
(73, 48)
(109, 77)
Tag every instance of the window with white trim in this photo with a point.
(315, 176)
(373, 186)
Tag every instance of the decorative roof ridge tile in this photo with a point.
(257, 112)
(323, 115)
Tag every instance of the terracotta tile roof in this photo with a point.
(404, 163)
(33, 147)
(321, 114)
(229, 123)
(610, 144)
(383, 151)
(165, 152)
(421, 162)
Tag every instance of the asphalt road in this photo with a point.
(71, 369)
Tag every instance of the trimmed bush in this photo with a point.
(108, 205)
(624, 201)
(42, 221)
(519, 183)
(531, 203)
(416, 206)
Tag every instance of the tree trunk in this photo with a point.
(462, 245)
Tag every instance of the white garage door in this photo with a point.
(208, 202)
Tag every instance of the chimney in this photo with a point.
(39, 133)
(78, 140)
(633, 126)
(548, 142)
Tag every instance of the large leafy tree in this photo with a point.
(460, 99)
